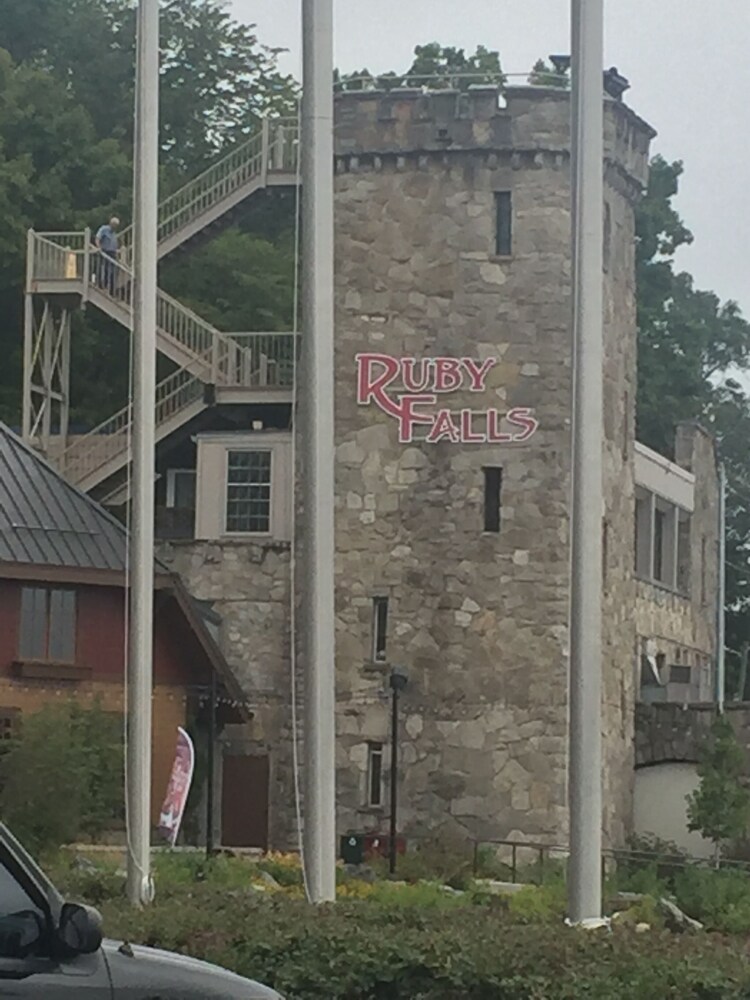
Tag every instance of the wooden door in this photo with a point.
(244, 802)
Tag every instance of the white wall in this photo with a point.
(660, 807)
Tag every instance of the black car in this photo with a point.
(51, 949)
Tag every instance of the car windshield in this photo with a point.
(9, 845)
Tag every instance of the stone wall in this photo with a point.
(479, 620)
(667, 733)
(248, 584)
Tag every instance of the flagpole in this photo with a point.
(141, 542)
(587, 174)
(317, 430)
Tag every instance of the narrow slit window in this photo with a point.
(503, 224)
(493, 486)
(379, 629)
(375, 775)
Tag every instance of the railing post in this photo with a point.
(265, 151)
(279, 141)
(86, 262)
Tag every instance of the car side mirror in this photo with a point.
(80, 929)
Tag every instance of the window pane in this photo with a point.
(13, 897)
(503, 223)
(659, 524)
(33, 640)
(379, 628)
(493, 484)
(375, 775)
(62, 626)
(184, 490)
(249, 492)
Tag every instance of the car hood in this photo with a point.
(151, 968)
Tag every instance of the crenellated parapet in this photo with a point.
(523, 125)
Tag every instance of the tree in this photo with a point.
(720, 807)
(434, 66)
(544, 75)
(239, 282)
(690, 348)
(66, 145)
(216, 77)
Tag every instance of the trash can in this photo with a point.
(352, 849)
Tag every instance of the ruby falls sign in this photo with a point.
(413, 392)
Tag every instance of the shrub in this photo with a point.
(442, 858)
(377, 951)
(719, 899)
(63, 777)
(542, 904)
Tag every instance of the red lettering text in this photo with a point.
(468, 434)
(412, 383)
(444, 427)
(372, 387)
(521, 417)
(408, 417)
(494, 434)
(448, 376)
(478, 373)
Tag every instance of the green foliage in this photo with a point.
(719, 899)
(442, 858)
(545, 75)
(66, 109)
(690, 347)
(539, 904)
(720, 806)
(239, 282)
(64, 776)
(650, 865)
(434, 66)
(366, 950)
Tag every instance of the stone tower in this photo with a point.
(453, 402)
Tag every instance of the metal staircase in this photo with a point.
(267, 159)
(65, 269)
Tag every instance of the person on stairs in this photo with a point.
(107, 243)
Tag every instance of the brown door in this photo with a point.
(244, 802)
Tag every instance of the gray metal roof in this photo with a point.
(44, 521)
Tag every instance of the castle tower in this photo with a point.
(453, 374)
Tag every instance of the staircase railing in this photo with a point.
(261, 360)
(273, 149)
(63, 257)
(111, 438)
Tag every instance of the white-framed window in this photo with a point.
(374, 775)
(244, 486)
(181, 489)
(248, 492)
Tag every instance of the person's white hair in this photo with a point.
(114, 221)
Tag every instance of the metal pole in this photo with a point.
(140, 651)
(721, 597)
(211, 769)
(316, 423)
(585, 791)
(394, 782)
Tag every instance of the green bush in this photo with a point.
(719, 899)
(373, 950)
(541, 904)
(63, 777)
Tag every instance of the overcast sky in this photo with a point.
(688, 62)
